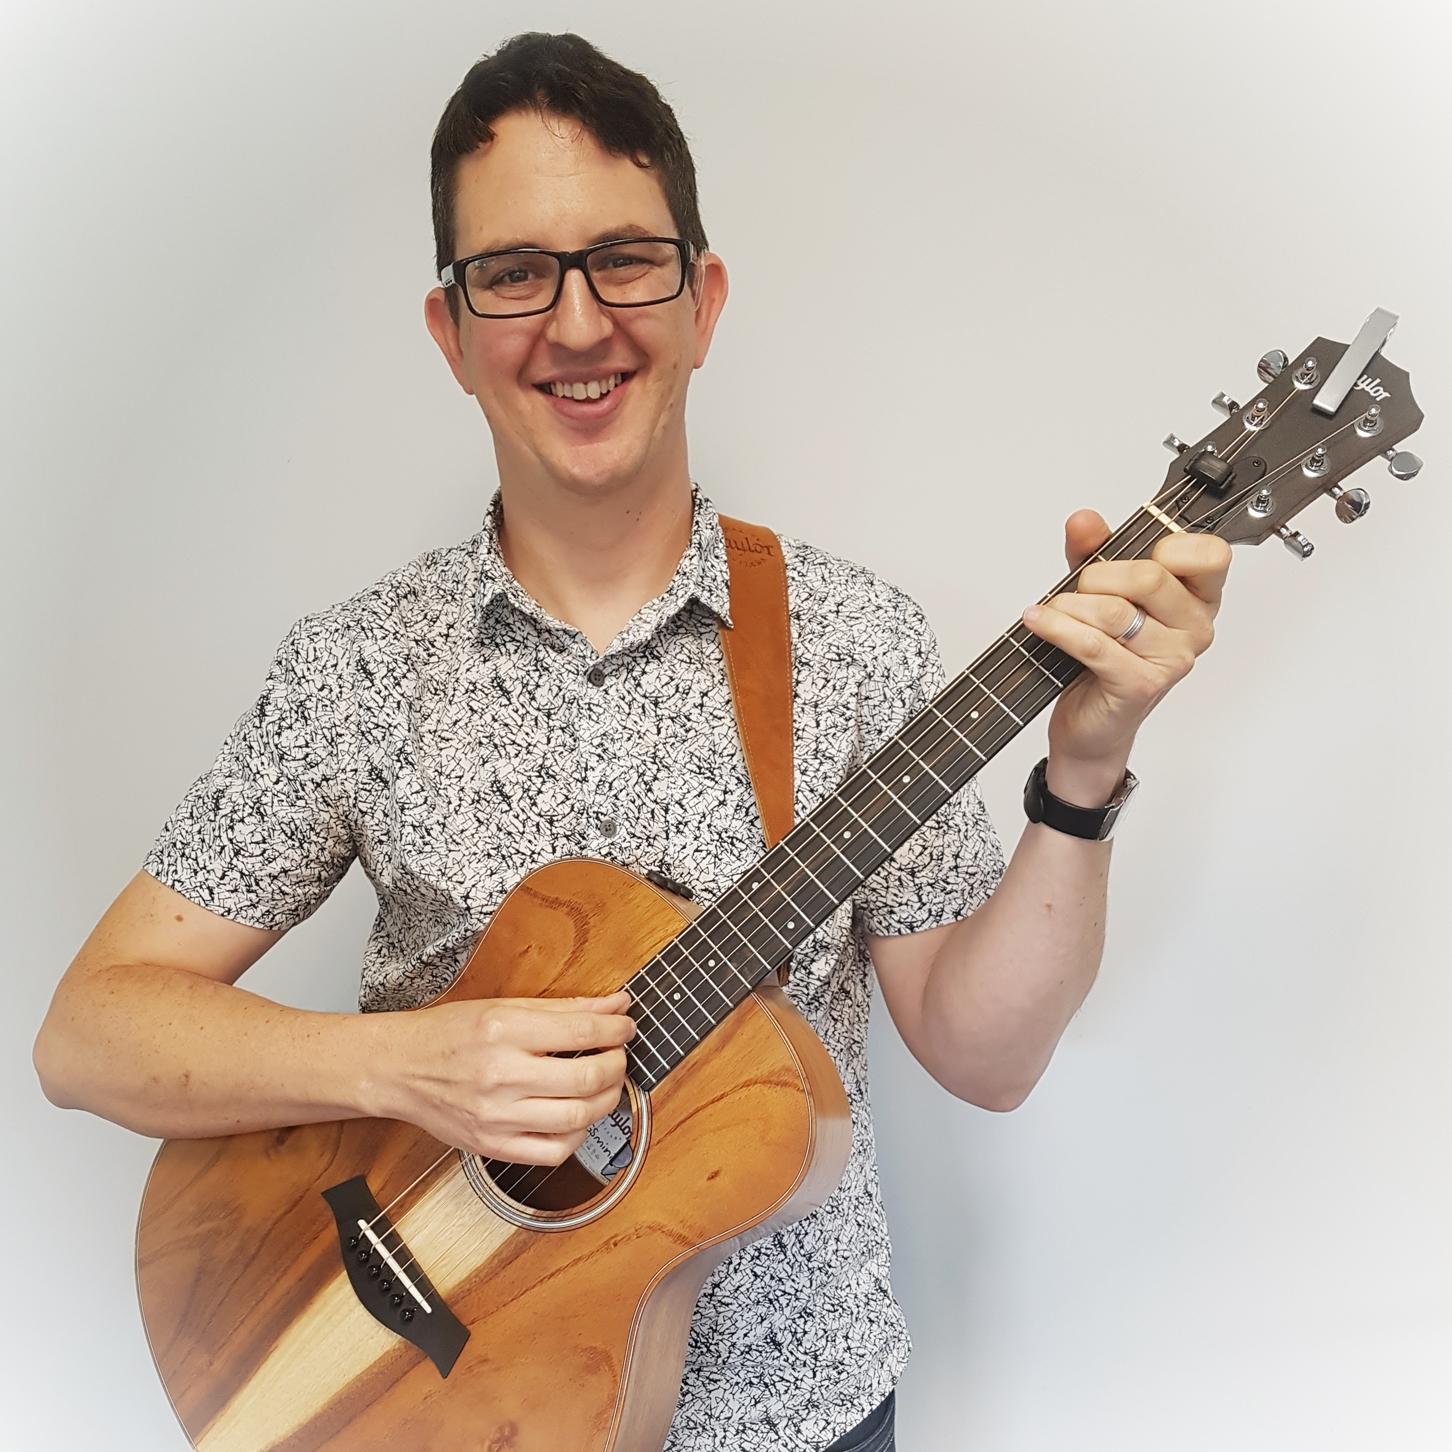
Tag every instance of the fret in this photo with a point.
(942, 716)
(910, 752)
(865, 823)
(1033, 659)
(640, 1041)
(913, 815)
(990, 694)
(725, 997)
(832, 897)
(763, 916)
(652, 1010)
(919, 768)
(706, 970)
(671, 1000)
(725, 917)
(827, 838)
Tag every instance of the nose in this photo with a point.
(578, 322)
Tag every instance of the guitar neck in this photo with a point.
(746, 933)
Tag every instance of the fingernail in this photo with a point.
(1031, 614)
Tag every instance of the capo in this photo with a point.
(1355, 361)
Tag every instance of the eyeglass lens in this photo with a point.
(629, 272)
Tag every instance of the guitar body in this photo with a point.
(576, 1321)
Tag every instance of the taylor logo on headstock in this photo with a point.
(1373, 387)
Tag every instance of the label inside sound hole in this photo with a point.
(606, 1150)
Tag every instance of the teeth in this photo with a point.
(595, 388)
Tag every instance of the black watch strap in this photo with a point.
(1094, 824)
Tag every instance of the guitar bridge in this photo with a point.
(387, 1279)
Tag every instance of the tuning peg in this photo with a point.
(1224, 400)
(1351, 504)
(1270, 365)
(1174, 443)
(1295, 541)
(1403, 465)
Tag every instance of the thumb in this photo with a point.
(1084, 532)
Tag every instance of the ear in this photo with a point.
(708, 287)
(445, 331)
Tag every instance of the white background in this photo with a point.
(1221, 1219)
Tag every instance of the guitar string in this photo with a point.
(1130, 530)
(467, 1223)
(927, 759)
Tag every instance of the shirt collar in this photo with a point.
(702, 573)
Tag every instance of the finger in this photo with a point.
(610, 1000)
(1200, 561)
(1084, 532)
(538, 1149)
(543, 1031)
(1113, 616)
(1110, 660)
(562, 1115)
(573, 1078)
(1150, 585)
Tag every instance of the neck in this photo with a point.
(742, 937)
(592, 560)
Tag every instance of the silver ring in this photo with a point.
(1133, 628)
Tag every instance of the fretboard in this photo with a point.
(742, 937)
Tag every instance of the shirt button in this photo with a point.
(607, 826)
(596, 676)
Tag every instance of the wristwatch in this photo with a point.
(1095, 824)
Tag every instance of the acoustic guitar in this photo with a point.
(358, 1285)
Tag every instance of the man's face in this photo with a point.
(548, 183)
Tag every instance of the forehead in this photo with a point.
(546, 181)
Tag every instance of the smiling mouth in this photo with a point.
(573, 404)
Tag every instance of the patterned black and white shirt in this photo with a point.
(447, 731)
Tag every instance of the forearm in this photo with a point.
(173, 1054)
(1007, 980)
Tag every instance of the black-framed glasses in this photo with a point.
(630, 272)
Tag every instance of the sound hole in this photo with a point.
(609, 1147)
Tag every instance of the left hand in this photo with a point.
(1095, 719)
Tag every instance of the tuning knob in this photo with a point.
(1224, 400)
(1351, 504)
(1295, 541)
(1271, 364)
(1174, 443)
(1403, 465)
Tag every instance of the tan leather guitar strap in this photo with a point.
(758, 653)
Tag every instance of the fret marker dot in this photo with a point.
(905, 777)
(974, 714)
(791, 925)
(710, 962)
(677, 997)
(847, 832)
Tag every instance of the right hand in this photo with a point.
(480, 1074)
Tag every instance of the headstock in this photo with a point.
(1319, 418)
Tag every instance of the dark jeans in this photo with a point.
(876, 1432)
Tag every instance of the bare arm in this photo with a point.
(983, 1002)
(148, 1029)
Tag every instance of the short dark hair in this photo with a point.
(567, 76)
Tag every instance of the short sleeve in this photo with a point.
(950, 866)
(264, 834)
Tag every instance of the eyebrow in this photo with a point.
(631, 229)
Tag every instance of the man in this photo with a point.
(554, 685)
